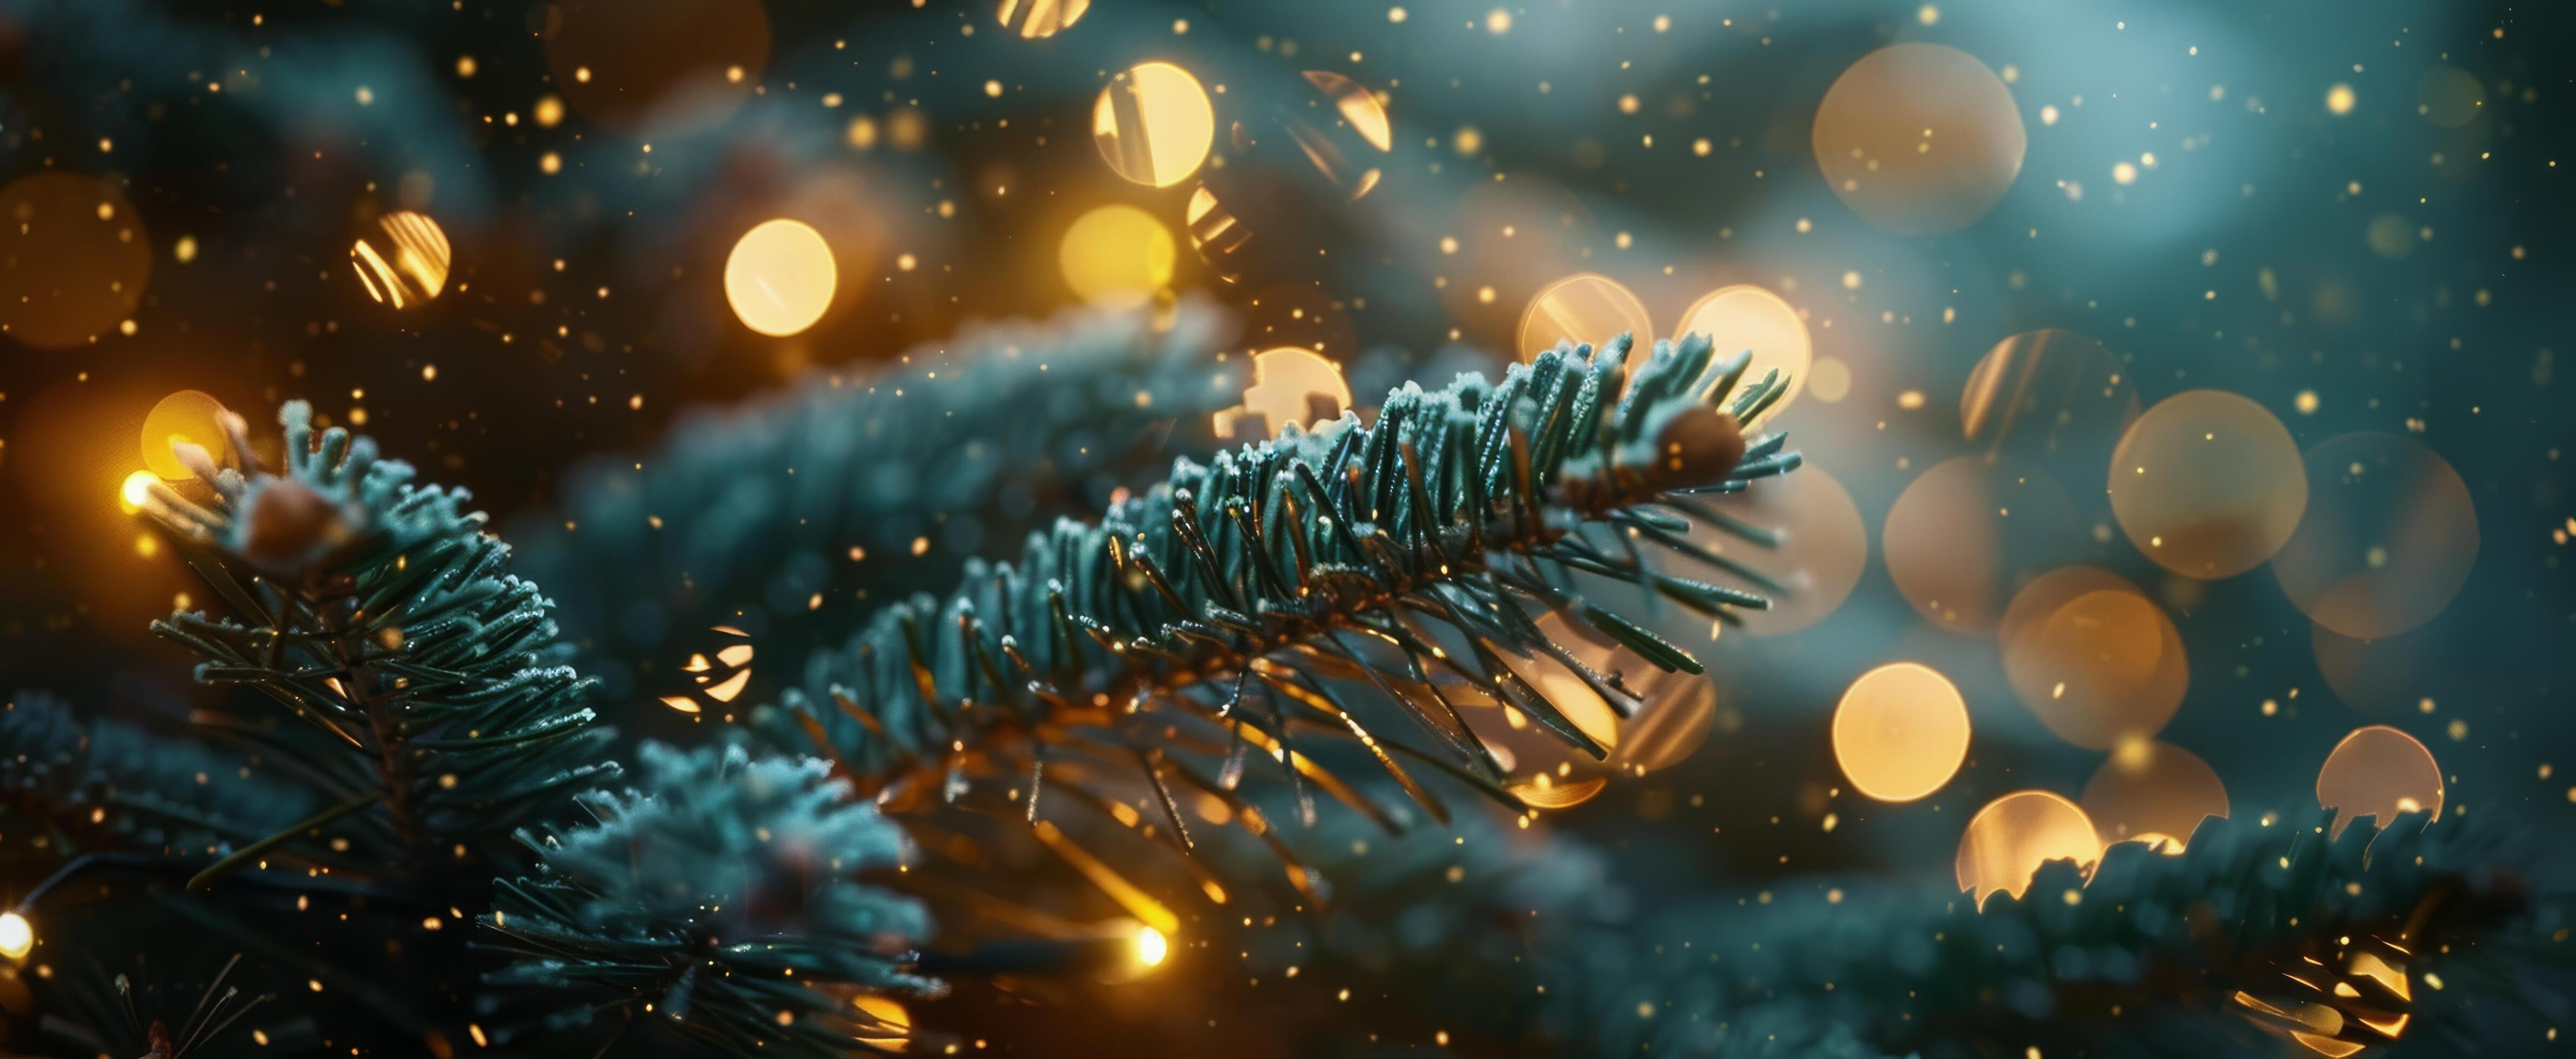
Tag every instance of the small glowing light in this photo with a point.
(2379, 771)
(1498, 22)
(1151, 946)
(2339, 100)
(550, 163)
(17, 937)
(2013, 835)
(1117, 256)
(1744, 316)
(780, 277)
(136, 490)
(2124, 173)
(405, 261)
(549, 111)
(1154, 124)
(1395, 14)
(1900, 732)
(1584, 307)
(1034, 19)
(993, 89)
(1287, 383)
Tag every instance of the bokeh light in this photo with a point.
(74, 259)
(2013, 835)
(2208, 484)
(1744, 316)
(780, 277)
(1964, 534)
(1900, 732)
(1290, 385)
(1823, 547)
(1584, 307)
(2450, 97)
(2387, 540)
(2150, 790)
(1117, 256)
(893, 1029)
(191, 417)
(659, 66)
(1216, 235)
(1919, 139)
(1341, 158)
(2093, 658)
(2378, 771)
(2042, 394)
(404, 261)
(1680, 709)
(2384, 677)
(1154, 124)
(1041, 18)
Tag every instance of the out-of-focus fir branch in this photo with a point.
(721, 898)
(105, 785)
(1297, 588)
(2254, 936)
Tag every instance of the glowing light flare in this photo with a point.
(2388, 537)
(17, 936)
(2208, 484)
(2013, 835)
(780, 277)
(1035, 19)
(1154, 124)
(1290, 385)
(2048, 393)
(2093, 658)
(1584, 307)
(1151, 946)
(1680, 709)
(2152, 792)
(188, 417)
(1117, 256)
(1900, 732)
(404, 262)
(1744, 316)
(890, 1025)
(1823, 547)
(2379, 771)
(136, 491)
(1964, 532)
(1919, 139)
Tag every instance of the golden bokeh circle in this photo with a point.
(780, 277)
(74, 259)
(1341, 159)
(2388, 538)
(190, 417)
(1154, 124)
(1584, 307)
(1117, 256)
(1680, 709)
(1290, 385)
(1900, 732)
(2093, 658)
(403, 260)
(1539, 767)
(1744, 316)
(2047, 393)
(2379, 771)
(2208, 484)
(1919, 139)
(2013, 835)
(662, 66)
(2450, 97)
(1962, 535)
(1823, 548)
(1041, 18)
(2148, 788)
(1216, 234)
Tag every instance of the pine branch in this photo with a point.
(109, 785)
(383, 616)
(2414, 933)
(1225, 607)
(762, 506)
(720, 898)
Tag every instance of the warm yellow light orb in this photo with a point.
(1154, 124)
(1290, 385)
(136, 490)
(1743, 317)
(780, 277)
(2013, 835)
(1151, 946)
(188, 416)
(1117, 256)
(2379, 771)
(404, 262)
(17, 937)
(1585, 307)
(1900, 732)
